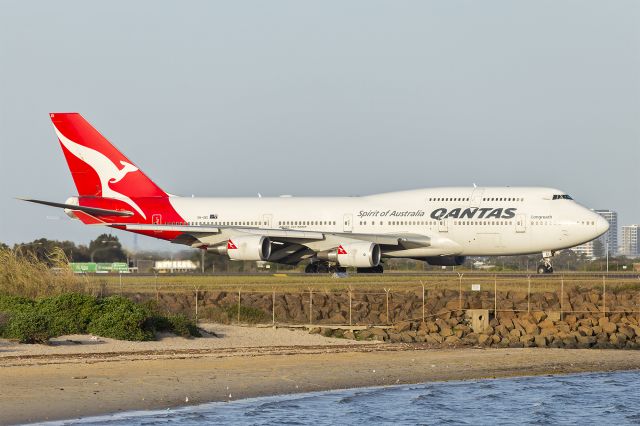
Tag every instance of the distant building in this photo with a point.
(164, 266)
(609, 240)
(630, 237)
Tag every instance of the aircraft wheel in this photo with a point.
(374, 270)
(323, 268)
(542, 269)
(311, 268)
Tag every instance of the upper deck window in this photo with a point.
(562, 197)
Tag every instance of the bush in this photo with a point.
(120, 318)
(69, 313)
(183, 326)
(28, 326)
(32, 321)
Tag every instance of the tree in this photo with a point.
(598, 248)
(42, 249)
(106, 248)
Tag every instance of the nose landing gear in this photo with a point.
(545, 266)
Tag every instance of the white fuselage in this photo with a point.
(458, 220)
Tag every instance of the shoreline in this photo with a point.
(132, 414)
(63, 386)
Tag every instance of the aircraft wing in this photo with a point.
(94, 211)
(208, 234)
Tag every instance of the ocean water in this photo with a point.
(593, 398)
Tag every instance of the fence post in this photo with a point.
(349, 305)
(529, 294)
(273, 307)
(561, 296)
(604, 296)
(310, 306)
(460, 292)
(239, 306)
(386, 290)
(120, 276)
(156, 285)
(422, 284)
(495, 296)
(197, 290)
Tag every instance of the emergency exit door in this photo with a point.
(348, 222)
(521, 223)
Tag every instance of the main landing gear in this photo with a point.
(327, 268)
(374, 270)
(545, 266)
(323, 268)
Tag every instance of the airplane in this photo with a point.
(441, 226)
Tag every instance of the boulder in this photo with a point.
(538, 316)
(434, 339)
(378, 334)
(627, 331)
(394, 337)
(452, 340)
(540, 341)
(484, 339)
(585, 331)
(515, 333)
(586, 341)
(547, 323)
(402, 326)
(618, 339)
(609, 327)
(527, 340)
(348, 334)
(408, 336)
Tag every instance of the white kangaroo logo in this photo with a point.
(107, 171)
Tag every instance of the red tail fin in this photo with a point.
(97, 167)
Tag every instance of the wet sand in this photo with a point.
(73, 380)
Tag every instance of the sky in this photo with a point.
(322, 98)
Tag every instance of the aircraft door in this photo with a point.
(266, 221)
(156, 219)
(348, 222)
(443, 225)
(521, 223)
(476, 197)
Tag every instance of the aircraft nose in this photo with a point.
(602, 225)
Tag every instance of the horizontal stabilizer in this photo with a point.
(94, 211)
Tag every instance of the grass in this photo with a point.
(358, 283)
(22, 274)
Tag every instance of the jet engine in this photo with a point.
(445, 260)
(360, 255)
(249, 247)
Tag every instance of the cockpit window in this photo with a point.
(562, 197)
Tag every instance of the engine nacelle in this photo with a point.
(249, 247)
(360, 255)
(445, 260)
(74, 201)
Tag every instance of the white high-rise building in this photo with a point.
(630, 244)
(608, 241)
(610, 238)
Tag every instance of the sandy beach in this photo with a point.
(80, 376)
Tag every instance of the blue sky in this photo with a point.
(323, 98)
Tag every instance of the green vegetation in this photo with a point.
(23, 274)
(36, 321)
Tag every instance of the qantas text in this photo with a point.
(474, 213)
